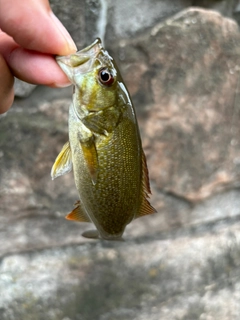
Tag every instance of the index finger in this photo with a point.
(33, 26)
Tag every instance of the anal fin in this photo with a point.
(78, 214)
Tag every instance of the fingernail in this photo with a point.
(62, 85)
(71, 45)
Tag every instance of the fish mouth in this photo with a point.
(81, 61)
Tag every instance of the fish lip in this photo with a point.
(95, 44)
(80, 57)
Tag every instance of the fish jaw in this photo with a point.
(80, 62)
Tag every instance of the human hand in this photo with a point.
(30, 34)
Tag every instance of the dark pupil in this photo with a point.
(105, 76)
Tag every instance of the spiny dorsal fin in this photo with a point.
(145, 207)
(78, 214)
(63, 162)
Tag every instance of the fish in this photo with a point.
(104, 148)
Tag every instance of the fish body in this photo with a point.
(104, 147)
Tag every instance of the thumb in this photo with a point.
(6, 80)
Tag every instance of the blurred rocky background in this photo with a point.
(181, 62)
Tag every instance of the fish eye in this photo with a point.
(105, 77)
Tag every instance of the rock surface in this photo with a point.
(181, 263)
(190, 72)
(23, 89)
(227, 8)
(81, 18)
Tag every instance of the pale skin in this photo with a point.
(30, 37)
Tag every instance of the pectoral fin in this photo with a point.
(90, 156)
(63, 162)
(78, 214)
(145, 207)
(104, 121)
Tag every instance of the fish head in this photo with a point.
(94, 75)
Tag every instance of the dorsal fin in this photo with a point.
(78, 214)
(145, 178)
(145, 207)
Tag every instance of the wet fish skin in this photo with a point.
(104, 148)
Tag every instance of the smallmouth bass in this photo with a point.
(104, 148)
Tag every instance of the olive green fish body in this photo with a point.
(104, 146)
(111, 203)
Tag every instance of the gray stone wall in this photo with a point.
(114, 20)
(181, 66)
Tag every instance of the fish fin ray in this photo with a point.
(63, 162)
(145, 177)
(78, 214)
(145, 207)
(91, 157)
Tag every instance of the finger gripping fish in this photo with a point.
(104, 147)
